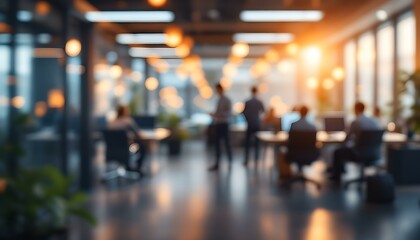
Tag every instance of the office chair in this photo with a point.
(118, 152)
(302, 150)
(368, 150)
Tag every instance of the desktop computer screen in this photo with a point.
(332, 124)
(288, 118)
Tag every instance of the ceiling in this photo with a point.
(213, 22)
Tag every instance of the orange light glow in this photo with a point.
(116, 71)
(55, 98)
(18, 102)
(312, 83)
(234, 60)
(4, 27)
(151, 83)
(173, 36)
(284, 66)
(328, 84)
(312, 55)
(206, 92)
(73, 47)
(42, 8)
(321, 225)
(153, 60)
(292, 49)
(40, 109)
(240, 49)
(162, 67)
(183, 50)
(238, 107)
(272, 56)
(157, 3)
(338, 73)
(119, 90)
(229, 70)
(226, 83)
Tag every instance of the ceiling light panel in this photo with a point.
(281, 16)
(141, 38)
(263, 38)
(143, 52)
(130, 16)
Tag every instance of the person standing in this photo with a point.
(221, 122)
(252, 112)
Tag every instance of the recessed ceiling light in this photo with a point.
(263, 38)
(281, 16)
(143, 52)
(141, 38)
(382, 15)
(130, 16)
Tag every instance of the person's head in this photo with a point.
(122, 111)
(359, 108)
(303, 111)
(254, 90)
(219, 89)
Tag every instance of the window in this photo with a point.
(350, 79)
(366, 67)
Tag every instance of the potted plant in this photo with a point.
(414, 80)
(172, 121)
(37, 203)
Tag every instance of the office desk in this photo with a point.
(156, 135)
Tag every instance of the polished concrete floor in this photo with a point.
(182, 200)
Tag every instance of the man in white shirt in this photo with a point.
(221, 122)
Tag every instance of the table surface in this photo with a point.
(156, 134)
(325, 137)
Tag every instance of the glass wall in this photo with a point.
(406, 49)
(350, 79)
(366, 67)
(385, 85)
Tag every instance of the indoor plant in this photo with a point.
(172, 121)
(413, 79)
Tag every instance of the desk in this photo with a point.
(157, 134)
(325, 137)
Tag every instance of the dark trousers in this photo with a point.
(222, 134)
(250, 137)
(341, 155)
(141, 154)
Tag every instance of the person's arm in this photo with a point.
(134, 128)
(351, 132)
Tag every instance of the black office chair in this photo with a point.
(302, 150)
(118, 155)
(368, 150)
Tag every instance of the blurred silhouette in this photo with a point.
(348, 152)
(303, 124)
(377, 114)
(270, 121)
(124, 122)
(252, 112)
(221, 124)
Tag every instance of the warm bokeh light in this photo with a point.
(119, 90)
(153, 60)
(234, 60)
(312, 54)
(188, 41)
(162, 67)
(272, 56)
(3, 185)
(263, 87)
(181, 73)
(328, 84)
(73, 47)
(168, 92)
(103, 86)
(312, 83)
(173, 36)
(229, 70)
(18, 102)
(366, 55)
(4, 27)
(240, 49)
(42, 8)
(260, 67)
(40, 109)
(391, 127)
(151, 83)
(116, 71)
(56, 98)
(284, 66)
(238, 107)
(321, 225)
(338, 73)
(206, 92)
(292, 49)
(157, 3)
(226, 83)
(136, 76)
(183, 50)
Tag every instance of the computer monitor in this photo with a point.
(333, 124)
(145, 122)
(287, 119)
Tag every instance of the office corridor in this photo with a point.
(182, 200)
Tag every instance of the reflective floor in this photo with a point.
(182, 200)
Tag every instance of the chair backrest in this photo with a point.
(117, 146)
(145, 122)
(368, 145)
(334, 123)
(301, 147)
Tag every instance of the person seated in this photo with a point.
(270, 121)
(303, 124)
(123, 121)
(347, 151)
